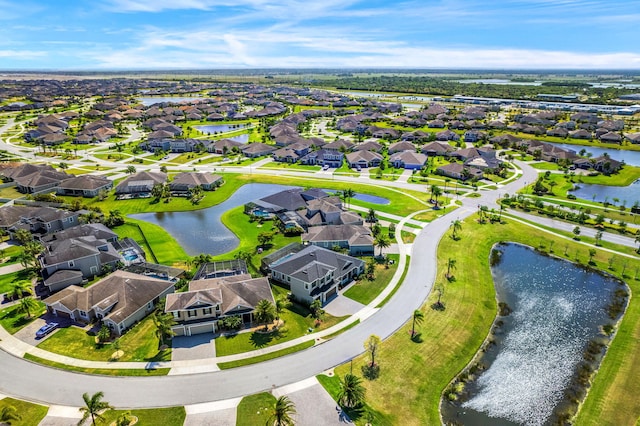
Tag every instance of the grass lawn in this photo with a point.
(289, 166)
(344, 169)
(173, 416)
(255, 409)
(153, 238)
(100, 371)
(297, 322)
(402, 277)
(364, 291)
(13, 320)
(265, 357)
(10, 192)
(408, 237)
(138, 344)
(11, 254)
(413, 375)
(545, 166)
(31, 414)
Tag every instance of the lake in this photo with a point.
(631, 158)
(557, 307)
(201, 231)
(220, 128)
(629, 194)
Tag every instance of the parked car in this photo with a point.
(325, 167)
(358, 169)
(46, 329)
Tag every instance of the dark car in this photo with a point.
(46, 329)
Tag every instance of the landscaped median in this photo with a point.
(415, 372)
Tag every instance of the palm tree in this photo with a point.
(435, 192)
(282, 412)
(382, 241)
(351, 392)
(9, 413)
(20, 288)
(418, 317)
(163, 323)
(27, 305)
(265, 312)
(451, 265)
(94, 406)
(371, 345)
(456, 226)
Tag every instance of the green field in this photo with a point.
(30, 414)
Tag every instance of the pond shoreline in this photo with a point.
(576, 390)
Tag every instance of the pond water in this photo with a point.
(557, 308)
(201, 231)
(243, 138)
(629, 194)
(631, 158)
(500, 81)
(156, 100)
(373, 199)
(213, 128)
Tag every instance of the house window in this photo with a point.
(71, 264)
(192, 313)
(306, 286)
(176, 314)
(289, 279)
(207, 311)
(83, 314)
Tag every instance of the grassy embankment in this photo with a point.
(413, 375)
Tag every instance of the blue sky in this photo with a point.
(200, 34)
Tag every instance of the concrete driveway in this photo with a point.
(341, 306)
(314, 405)
(198, 346)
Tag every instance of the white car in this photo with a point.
(46, 329)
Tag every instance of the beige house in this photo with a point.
(120, 300)
(209, 300)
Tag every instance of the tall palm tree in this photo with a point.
(418, 317)
(451, 265)
(382, 241)
(20, 288)
(94, 406)
(282, 412)
(352, 392)
(456, 226)
(265, 312)
(163, 323)
(27, 305)
(349, 194)
(436, 191)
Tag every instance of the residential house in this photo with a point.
(371, 146)
(84, 185)
(321, 157)
(33, 178)
(437, 149)
(408, 160)
(224, 146)
(141, 183)
(460, 171)
(257, 149)
(183, 182)
(363, 159)
(357, 239)
(119, 300)
(207, 301)
(37, 220)
(447, 135)
(286, 155)
(315, 273)
(401, 146)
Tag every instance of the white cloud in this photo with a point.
(22, 54)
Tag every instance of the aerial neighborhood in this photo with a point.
(157, 226)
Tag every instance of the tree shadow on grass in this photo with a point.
(438, 306)
(417, 338)
(371, 372)
(260, 340)
(163, 355)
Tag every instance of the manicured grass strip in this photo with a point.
(255, 409)
(413, 375)
(265, 357)
(332, 386)
(173, 416)
(342, 330)
(99, 371)
(364, 291)
(13, 320)
(297, 322)
(138, 344)
(162, 247)
(31, 414)
(7, 280)
(404, 274)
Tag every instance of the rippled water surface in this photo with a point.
(557, 308)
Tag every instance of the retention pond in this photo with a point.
(553, 310)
